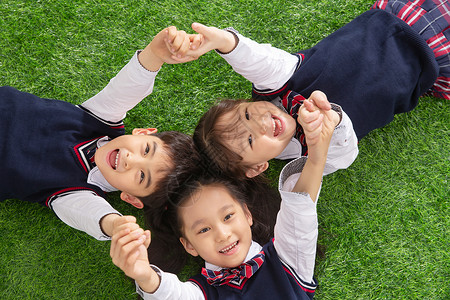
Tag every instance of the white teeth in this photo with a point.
(276, 123)
(117, 159)
(228, 248)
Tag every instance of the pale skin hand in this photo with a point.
(111, 222)
(160, 50)
(129, 252)
(207, 39)
(318, 126)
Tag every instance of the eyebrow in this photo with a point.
(155, 146)
(149, 177)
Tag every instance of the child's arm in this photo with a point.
(136, 79)
(72, 207)
(318, 126)
(129, 252)
(297, 227)
(265, 66)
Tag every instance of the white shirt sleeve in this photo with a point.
(296, 228)
(132, 84)
(83, 210)
(171, 288)
(265, 66)
(343, 148)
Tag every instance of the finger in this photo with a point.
(200, 28)
(131, 226)
(196, 41)
(320, 100)
(115, 238)
(124, 220)
(127, 255)
(171, 33)
(185, 45)
(309, 105)
(308, 117)
(124, 237)
(186, 58)
(148, 238)
(178, 40)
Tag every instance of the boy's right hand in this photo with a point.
(207, 39)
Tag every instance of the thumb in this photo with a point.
(200, 28)
(320, 100)
(208, 32)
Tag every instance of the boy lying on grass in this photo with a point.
(68, 156)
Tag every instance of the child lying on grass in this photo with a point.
(376, 66)
(210, 219)
(68, 156)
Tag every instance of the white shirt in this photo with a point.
(83, 210)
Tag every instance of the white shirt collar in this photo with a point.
(254, 249)
(96, 177)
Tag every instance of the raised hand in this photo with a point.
(206, 39)
(128, 251)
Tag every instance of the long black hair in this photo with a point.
(161, 214)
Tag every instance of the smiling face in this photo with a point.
(133, 163)
(262, 131)
(216, 226)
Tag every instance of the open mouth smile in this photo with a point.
(277, 126)
(229, 248)
(114, 159)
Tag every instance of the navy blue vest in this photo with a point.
(47, 146)
(376, 66)
(273, 280)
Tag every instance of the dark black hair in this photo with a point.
(161, 215)
(210, 139)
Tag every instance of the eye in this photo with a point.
(250, 140)
(142, 177)
(204, 230)
(147, 149)
(247, 115)
(227, 217)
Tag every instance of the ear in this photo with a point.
(132, 200)
(147, 131)
(248, 214)
(188, 247)
(256, 169)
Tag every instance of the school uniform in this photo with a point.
(48, 147)
(287, 269)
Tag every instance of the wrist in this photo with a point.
(337, 114)
(150, 283)
(230, 39)
(107, 223)
(149, 60)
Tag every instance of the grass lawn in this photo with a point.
(384, 222)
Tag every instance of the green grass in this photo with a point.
(384, 222)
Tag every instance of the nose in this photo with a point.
(130, 160)
(223, 233)
(263, 122)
